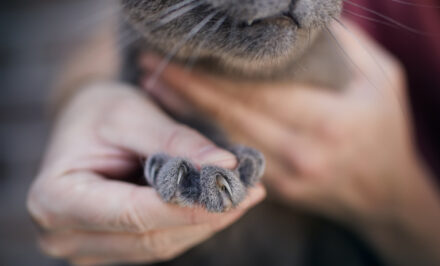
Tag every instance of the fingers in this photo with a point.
(269, 110)
(119, 247)
(136, 124)
(105, 247)
(86, 201)
(298, 107)
(230, 113)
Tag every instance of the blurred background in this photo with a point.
(35, 38)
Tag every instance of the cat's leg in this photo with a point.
(251, 164)
(175, 179)
(221, 189)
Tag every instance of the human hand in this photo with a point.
(347, 154)
(88, 215)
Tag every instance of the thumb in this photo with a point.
(135, 123)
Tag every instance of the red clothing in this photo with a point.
(420, 54)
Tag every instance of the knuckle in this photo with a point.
(315, 167)
(132, 218)
(54, 248)
(175, 136)
(158, 245)
(183, 135)
(38, 210)
(129, 220)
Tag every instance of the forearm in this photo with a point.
(411, 234)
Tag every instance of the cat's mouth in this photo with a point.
(287, 16)
(244, 38)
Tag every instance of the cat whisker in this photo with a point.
(176, 14)
(370, 19)
(175, 7)
(171, 13)
(415, 4)
(177, 47)
(375, 60)
(197, 51)
(348, 57)
(387, 18)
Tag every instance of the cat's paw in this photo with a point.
(221, 189)
(216, 189)
(175, 179)
(251, 164)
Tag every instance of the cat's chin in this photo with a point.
(279, 47)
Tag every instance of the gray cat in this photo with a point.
(242, 40)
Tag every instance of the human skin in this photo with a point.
(346, 154)
(81, 199)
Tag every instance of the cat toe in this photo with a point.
(153, 166)
(221, 189)
(217, 189)
(178, 182)
(251, 164)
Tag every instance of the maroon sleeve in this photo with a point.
(413, 36)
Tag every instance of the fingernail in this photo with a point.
(215, 156)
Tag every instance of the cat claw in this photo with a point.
(153, 171)
(224, 185)
(220, 189)
(216, 189)
(182, 172)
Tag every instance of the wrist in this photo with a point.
(408, 233)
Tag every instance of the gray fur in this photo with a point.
(212, 197)
(250, 10)
(202, 187)
(251, 164)
(153, 166)
(272, 48)
(187, 192)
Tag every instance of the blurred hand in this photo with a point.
(87, 214)
(347, 154)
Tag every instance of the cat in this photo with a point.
(246, 40)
